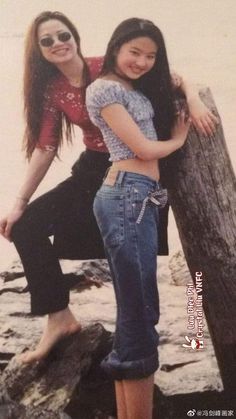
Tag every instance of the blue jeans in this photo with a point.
(128, 219)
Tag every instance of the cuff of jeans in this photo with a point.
(129, 370)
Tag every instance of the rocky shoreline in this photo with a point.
(69, 383)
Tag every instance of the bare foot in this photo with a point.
(60, 325)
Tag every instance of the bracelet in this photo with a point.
(26, 200)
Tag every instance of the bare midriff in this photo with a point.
(148, 168)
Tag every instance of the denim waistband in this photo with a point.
(156, 194)
(126, 177)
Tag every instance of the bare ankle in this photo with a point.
(64, 315)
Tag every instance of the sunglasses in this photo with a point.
(48, 41)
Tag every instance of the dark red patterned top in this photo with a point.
(61, 97)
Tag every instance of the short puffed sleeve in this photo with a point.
(102, 93)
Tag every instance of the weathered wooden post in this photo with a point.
(202, 192)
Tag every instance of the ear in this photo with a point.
(186, 346)
(187, 339)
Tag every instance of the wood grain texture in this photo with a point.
(202, 193)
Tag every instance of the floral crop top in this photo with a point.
(61, 97)
(102, 93)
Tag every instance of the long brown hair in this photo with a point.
(38, 73)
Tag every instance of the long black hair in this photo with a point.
(156, 84)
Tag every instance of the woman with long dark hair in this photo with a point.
(132, 104)
(56, 76)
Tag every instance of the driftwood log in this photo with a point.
(202, 193)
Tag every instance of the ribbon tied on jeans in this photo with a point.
(158, 198)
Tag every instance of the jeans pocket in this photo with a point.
(109, 213)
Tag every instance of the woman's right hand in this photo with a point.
(38, 167)
(7, 222)
(181, 128)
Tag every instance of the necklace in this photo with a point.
(75, 81)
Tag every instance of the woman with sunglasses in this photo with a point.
(56, 75)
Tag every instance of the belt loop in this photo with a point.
(120, 177)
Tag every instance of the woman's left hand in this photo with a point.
(176, 80)
(202, 118)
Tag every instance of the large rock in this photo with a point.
(19, 329)
(184, 375)
(69, 384)
(50, 386)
